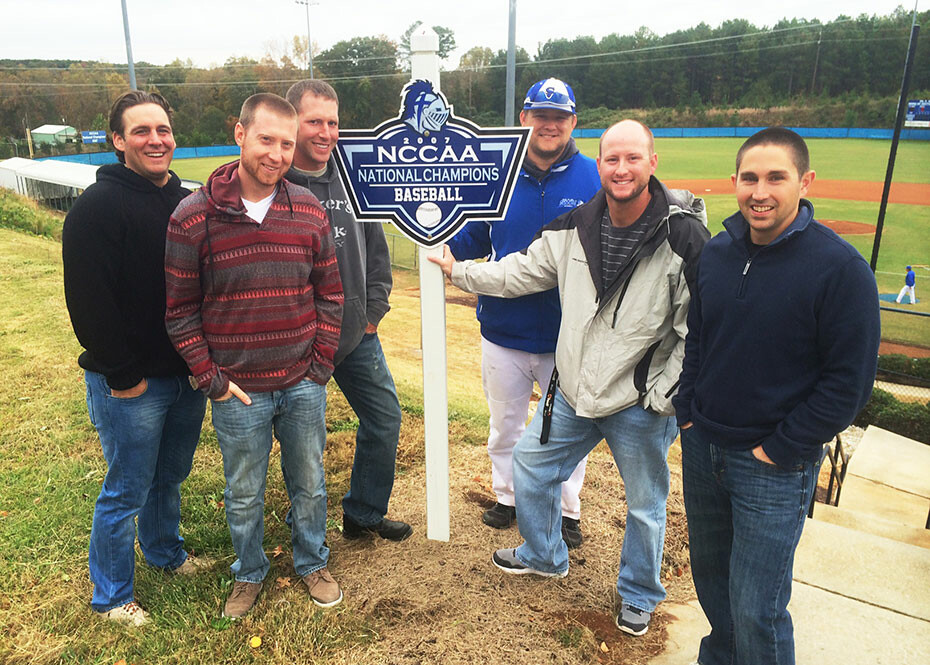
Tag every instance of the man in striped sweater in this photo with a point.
(254, 305)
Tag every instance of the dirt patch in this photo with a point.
(849, 190)
(595, 634)
(845, 228)
(433, 602)
(904, 349)
(454, 295)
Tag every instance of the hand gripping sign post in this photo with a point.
(429, 172)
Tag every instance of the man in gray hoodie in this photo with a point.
(365, 268)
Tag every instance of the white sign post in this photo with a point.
(424, 64)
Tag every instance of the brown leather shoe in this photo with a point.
(324, 590)
(241, 599)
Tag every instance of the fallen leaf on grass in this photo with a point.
(4, 513)
(477, 479)
(604, 647)
(282, 583)
(278, 551)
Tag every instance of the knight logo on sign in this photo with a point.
(427, 171)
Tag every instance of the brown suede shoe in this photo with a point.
(324, 590)
(241, 599)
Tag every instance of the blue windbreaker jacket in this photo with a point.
(528, 323)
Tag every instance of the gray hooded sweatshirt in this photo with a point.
(362, 255)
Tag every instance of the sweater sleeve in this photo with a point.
(378, 277)
(328, 301)
(91, 247)
(533, 270)
(472, 242)
(184, 302)
(848, 335)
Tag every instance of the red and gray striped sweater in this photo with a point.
(260, 304)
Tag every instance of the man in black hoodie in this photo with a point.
(139, 398)
(364, 263)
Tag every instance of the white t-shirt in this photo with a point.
(258, 209)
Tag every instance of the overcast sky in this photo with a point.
(210, 31)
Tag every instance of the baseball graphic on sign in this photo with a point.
(429, 214)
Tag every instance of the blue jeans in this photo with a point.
(744, 522)
(365, 380)
(639, 441)
(148, 443)
(297, 416)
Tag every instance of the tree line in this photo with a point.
(844, 72)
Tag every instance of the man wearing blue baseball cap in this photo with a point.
(518, 336)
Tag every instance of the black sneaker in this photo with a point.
(633, 620)
(387, 529)
(571, 532)
(507, 561)
(500, 516)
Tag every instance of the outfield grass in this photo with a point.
(705, 158)
(832, 159)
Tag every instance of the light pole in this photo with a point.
(132, 67)
(306, 4)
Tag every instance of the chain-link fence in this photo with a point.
(901, 399)
(403, 251)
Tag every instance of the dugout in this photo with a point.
(53, 183)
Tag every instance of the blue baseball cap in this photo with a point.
(550, 93)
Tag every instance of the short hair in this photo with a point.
(780, 136)
(315, 87)
(649, 136)
(273, 102)
(126, 101)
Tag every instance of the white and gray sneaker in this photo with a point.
(633, 620)
(507, 561)
(130, 613)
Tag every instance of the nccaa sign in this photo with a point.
(427, 171)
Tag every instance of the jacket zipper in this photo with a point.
(742, 282)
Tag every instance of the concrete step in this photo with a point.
(877, 499)
(877, 526)
(893, 460)
(828, 629)
(865, 567)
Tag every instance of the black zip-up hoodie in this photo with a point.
(113, 246)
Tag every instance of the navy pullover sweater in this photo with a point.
(782, 347)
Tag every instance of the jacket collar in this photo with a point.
(301, 178)
(738, 228)
(560, 164)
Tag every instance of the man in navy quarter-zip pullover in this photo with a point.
(782, 345)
